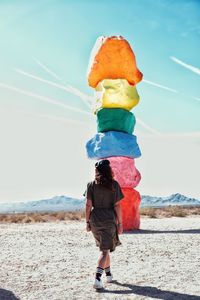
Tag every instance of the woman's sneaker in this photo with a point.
(98, 284)
(109, 278)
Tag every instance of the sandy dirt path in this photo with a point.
(57, 261)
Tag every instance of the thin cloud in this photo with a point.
(185, 134)
(43, 98)
(64, 120)
(187, 66)
(60, 119)
(160, 86)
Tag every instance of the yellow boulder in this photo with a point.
(116, 93)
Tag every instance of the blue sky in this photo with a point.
(61, 34)
(165, 36)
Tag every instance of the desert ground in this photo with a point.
(57, 261)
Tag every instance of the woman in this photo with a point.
(103, 216)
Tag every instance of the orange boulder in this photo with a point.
(130, 209)
(112, 58)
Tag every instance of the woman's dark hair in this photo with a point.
(104, 175)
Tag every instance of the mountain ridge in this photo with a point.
(174, 199)
(64, 203)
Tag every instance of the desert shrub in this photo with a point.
(170, 211)
(148, 212)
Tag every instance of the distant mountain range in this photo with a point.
(57, 203)
(174, 199)
(63, 203)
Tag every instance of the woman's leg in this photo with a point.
(101, 265)
(109, 276)
(104, 259)
(107, 263)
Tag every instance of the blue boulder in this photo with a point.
(112, 143)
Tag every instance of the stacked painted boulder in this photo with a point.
(113, 73)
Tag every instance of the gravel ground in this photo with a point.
(57, 261)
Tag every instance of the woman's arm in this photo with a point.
(118, 212)
(88, 208)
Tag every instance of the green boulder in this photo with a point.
(115, 119)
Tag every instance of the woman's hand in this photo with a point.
(88, 209)
(119, 228)
(118, 212)
(88, 228)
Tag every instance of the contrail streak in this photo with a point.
(68, 89)
(196, 98)
(160, 86)
(47, 70)
(74, 89)
(148, 127)
(71, 89)
(187, 66)
(43, 98)
(167, 88)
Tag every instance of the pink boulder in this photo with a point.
(124, 171)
